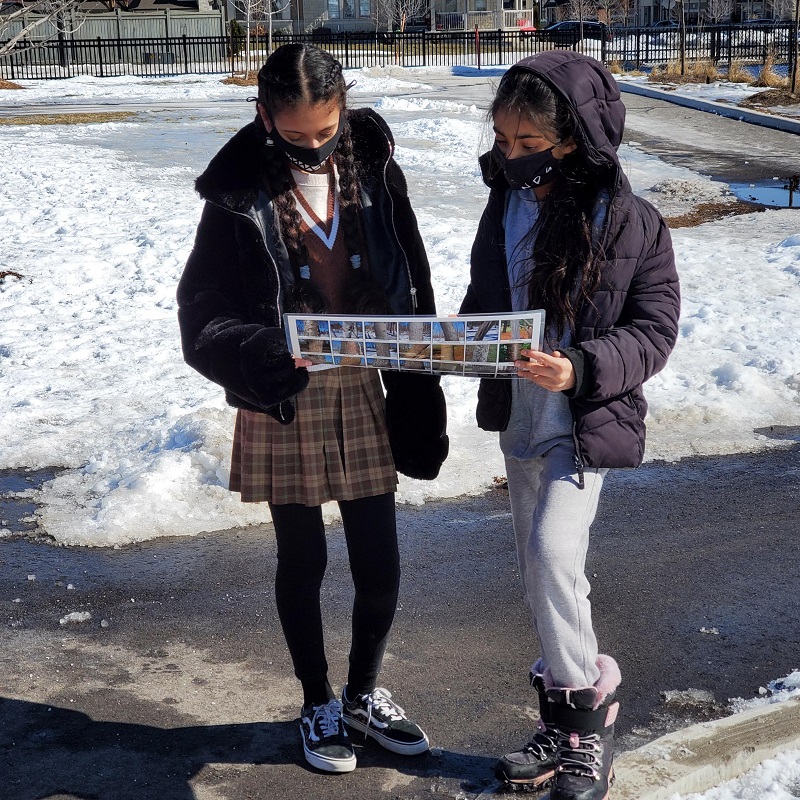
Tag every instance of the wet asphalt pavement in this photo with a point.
(179, 685)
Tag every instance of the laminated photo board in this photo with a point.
(478, 346)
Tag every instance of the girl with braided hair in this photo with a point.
(307, 211)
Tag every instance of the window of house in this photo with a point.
(349, 9)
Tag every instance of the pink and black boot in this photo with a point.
(584, 722)
(534, 765)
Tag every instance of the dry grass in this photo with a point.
(694, 72)
(771, 98)
(250, 79)
(10, 85)
(709, 212)
(66, 119)
(616, 68)
(768, 78)
(738, 74)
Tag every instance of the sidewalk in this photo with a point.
(776, 122)
(697, 758)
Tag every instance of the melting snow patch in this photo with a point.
(75, 616)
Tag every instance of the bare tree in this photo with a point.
(621, 12)
(251, 11)
(718, 10)
(582, 9)
(254, 13)
(782, 9)
(57, 15)
(276, 9)
(398, 12)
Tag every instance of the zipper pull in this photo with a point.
(414, 297)
(579, 467)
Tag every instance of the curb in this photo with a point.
(722, 109)
(702, 756)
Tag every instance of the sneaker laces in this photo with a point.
(579, 755)
(380, 700)
(328, 717)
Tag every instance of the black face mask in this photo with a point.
(526, 172)
(309, 159)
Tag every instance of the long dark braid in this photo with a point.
(566, 261)
(295, 74)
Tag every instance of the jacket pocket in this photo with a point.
(494, 404)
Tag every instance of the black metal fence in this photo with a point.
(64, 57)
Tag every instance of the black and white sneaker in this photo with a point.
(325, 741)
(377, 715)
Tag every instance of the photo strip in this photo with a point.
(475, 346)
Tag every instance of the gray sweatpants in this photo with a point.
(551, 518)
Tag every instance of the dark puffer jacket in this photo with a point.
(627, 334)
(231, 295)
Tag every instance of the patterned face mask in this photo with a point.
(309, 159)
(527, 172)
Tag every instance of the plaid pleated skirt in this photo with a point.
(337, 447)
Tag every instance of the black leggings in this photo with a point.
(371, 533)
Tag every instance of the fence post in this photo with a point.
(499, 46)
(424, 49)
(100, 55)
(347, 49)
(730, 47)
(185, 55)
(478, 46)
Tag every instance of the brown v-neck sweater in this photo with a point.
(328, 261)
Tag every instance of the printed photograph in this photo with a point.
(414, 331)
(348, 353)
(450, 331)
(347, 329)
(312, 328)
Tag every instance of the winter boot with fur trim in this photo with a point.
(584, 720)
(535, 764)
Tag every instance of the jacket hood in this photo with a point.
(592, 94)
(232, 178)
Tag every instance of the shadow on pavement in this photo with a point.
(53, 752)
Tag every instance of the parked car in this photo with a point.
(568, 32)
(525, 28)
(664, 24)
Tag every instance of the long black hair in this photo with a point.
(566, 260)
(298, 74)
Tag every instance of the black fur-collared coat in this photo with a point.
(231, 295)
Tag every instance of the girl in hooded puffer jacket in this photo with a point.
(563, 231)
